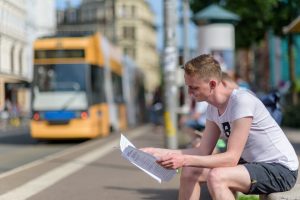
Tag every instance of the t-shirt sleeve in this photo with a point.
(242, 106)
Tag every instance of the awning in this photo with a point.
(293, 27)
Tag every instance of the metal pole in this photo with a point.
(186, 8)
(186, 52)
(170, 61)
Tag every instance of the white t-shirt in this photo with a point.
(266, 141)
(201, 107)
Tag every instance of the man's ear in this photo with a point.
(212, 84)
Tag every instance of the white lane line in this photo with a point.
(50, 178)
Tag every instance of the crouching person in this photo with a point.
(270, 163)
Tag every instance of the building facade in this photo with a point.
(127, 23)
(21, 21)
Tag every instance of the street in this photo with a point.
(18, 148)
(93, 169)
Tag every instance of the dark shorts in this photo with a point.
(268, 178)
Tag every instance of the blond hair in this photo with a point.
(204, 66)
(229, 82)
(226, 77)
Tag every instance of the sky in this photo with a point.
(157, 7)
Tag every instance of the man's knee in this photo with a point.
(215, 177)
(193, 174)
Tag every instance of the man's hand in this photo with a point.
(171, 161)
(156, 152)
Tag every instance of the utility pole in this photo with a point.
(170, 64)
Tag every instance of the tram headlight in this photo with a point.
(84, 115)
(36, 116)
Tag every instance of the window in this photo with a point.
(127, 11)
(129, 32)
(21, 60)
(12, 56)
(117, 88)
(60, 77)
(130, 51)
(73, 53)
(132, 11)
(97, 84)
(123, 11)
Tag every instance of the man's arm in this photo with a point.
(235, 147)
(208, 142)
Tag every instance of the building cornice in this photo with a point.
(15, 38)
(13, 77)
(16, 6)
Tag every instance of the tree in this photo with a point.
(257, 17)
(288, 10)
(283, 13)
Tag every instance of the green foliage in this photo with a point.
(291, 117)
(257, 16)
(197, 5)
(248, 197)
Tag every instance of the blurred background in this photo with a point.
(41, 41)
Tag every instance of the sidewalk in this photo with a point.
(7, 127)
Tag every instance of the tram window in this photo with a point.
(69, 53)
(60, 77)
(97, 83)
(117, 88)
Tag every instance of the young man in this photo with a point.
(271, 163)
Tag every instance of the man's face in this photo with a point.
(198, 89)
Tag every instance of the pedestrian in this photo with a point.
(194, 123)
(156, 109)
(270, 163)
(271, 101)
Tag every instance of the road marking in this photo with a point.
(50, 178)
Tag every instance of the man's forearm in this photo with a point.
(192, 151)
(210, 161)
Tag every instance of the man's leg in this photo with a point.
(189, 182)
(222, 181)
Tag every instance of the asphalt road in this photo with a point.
(90, 170)
(18, 148)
